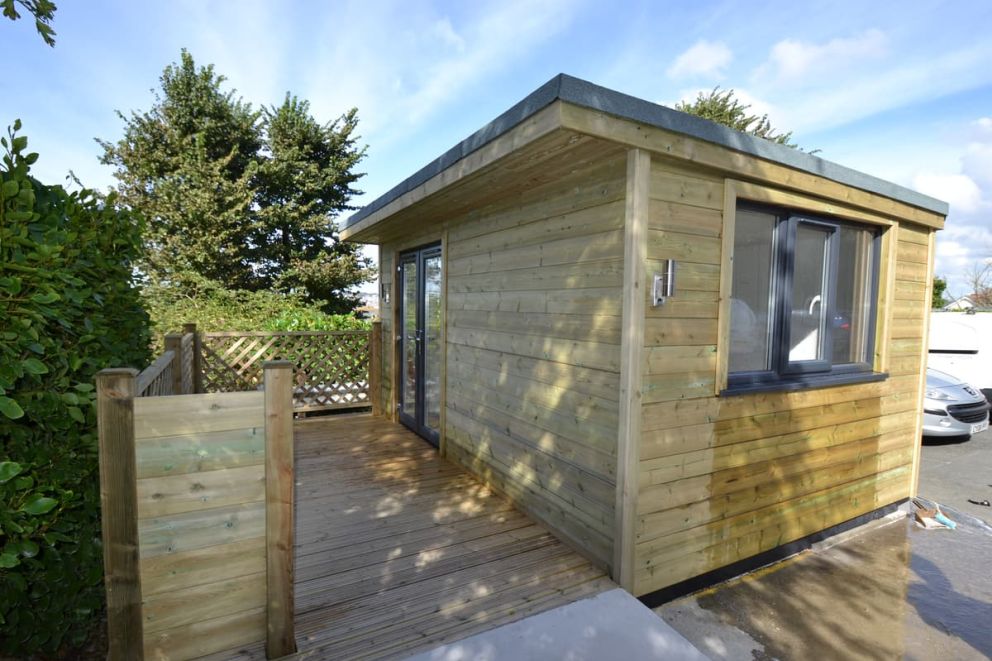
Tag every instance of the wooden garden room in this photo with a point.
(677, 346)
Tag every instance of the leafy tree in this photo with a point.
(43, 12)
(187, 167)
(937, 299)
(305, 178)
(723, 107)
(68, 308)
(241, 197)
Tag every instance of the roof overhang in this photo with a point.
(576, 105)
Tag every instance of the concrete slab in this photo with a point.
(611, 625)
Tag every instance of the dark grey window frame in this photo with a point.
(795, 375)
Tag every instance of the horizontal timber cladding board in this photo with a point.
(188, 531)
(691, 277)
(668, 387)
(183, 415)
(679, 359)
(726, 481)
(910, 291)
(595, 355)
(676, 440)
(174, 494)
(219, 634)
(589, 222)
(597, 461)
(559, 420)
(906, 347)
(593, 187)
(678, 556)
(603, 245)
(703, 462)
(583, 408)
(585, 302)
(911, 271)
(604, 273)
(175, 455)
(657, 524)
(589, 495)
(715, 409)
(562, 520)
(593, 328)
(684, 219)
(909, 328)
(907, 251)
(166, 610)
(175, 571)
(662, 331)
(669, 185)
(690, 248)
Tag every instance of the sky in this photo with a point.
(900, 90)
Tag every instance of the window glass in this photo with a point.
(751, 294)
(809, 294)
(852, 316)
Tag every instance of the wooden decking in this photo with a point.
(399, 550)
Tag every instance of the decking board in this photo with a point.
(398, 550)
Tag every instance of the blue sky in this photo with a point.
(899, 90)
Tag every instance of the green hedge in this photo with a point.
(214, 308)
(68, 308)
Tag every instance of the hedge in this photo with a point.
(68, 308)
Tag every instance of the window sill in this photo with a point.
(805, 383)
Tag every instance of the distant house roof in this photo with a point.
(960, 303)
(585, 94)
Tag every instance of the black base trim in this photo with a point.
(741, 567)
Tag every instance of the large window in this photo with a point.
(802, 307)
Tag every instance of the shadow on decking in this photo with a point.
(399, 550)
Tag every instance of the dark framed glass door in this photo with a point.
(420, 303)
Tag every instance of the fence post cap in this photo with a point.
(277, 365)
(173, 334)
(117, 371)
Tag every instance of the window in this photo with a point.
(802, 308)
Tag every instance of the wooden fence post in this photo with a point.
(197, 357)
(279, 485)
(375, 368)
(174, 343)
(115, 390)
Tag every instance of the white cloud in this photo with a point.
(958, 190)
(704, 58)
(792, 59)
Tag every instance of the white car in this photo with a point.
(951, 407)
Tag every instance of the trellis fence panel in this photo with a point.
(331, 368)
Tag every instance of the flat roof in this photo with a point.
(594, 97)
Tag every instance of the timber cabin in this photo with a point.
(676, 345)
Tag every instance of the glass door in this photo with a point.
(420, 341)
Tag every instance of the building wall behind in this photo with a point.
(533, 314)
(725, 478)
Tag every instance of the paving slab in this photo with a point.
(611, 625)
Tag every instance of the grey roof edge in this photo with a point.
(595, 97)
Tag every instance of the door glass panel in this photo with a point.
(853, 307)
(409, 321)
(809, 287)
(750, 300)
(432, 340)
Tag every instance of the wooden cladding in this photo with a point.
(194, 563)
(725, 478)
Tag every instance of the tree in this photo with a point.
(305, 178)
(980, 279)
(187, 167)
(43, 12)
(939, 287)
(242, 197)
(723, 107)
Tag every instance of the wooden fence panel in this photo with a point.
(186, 487)
(331, 368)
